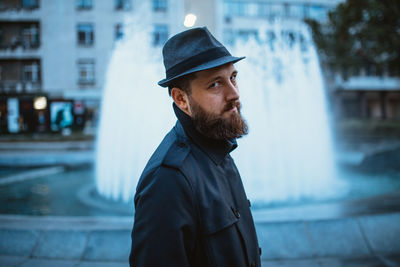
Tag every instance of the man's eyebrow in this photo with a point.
(212, 79)
(219, 77)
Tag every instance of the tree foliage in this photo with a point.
(360, 33)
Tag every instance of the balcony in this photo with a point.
(19, 87)
(20, 76)
(19, 35)
(369, 83)
(18, 5)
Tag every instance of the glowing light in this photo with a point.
(190, 20)
(40, 102)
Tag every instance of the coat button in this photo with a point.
(253, 264)
(181, 144)
(236, 212)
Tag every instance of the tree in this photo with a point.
(361, 33)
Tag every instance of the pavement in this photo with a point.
(44, 153)
(372, 240)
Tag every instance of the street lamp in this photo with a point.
(40, 102)
(190, 20)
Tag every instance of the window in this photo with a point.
(252, 9)
(119, 31)
(86, 74)
(31, 72)
(277, 10)
(122, 4)
(84, 4)
(31, 4)
(286, 7)
(160, 34)
(85, 34)
(297, 11)
(30, 37)
(318, 13)
(228, 36)
(159, 5)
(246, 35)
(263, 9)
(234, 9)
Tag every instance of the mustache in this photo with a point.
(232, 104)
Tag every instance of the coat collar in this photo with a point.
(217, 150)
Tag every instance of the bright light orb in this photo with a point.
(40, 102)
(190, 20)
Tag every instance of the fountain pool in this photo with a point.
(73, 193)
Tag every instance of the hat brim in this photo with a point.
(209, 65)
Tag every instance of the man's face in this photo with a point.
(214, 103)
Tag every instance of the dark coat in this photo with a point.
(191, 208)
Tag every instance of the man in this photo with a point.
(191, 208)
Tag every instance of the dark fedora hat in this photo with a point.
(191, 51)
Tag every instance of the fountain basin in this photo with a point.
(72, 193)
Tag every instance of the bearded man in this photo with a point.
(190, 204)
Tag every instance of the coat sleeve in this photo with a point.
(164, 229)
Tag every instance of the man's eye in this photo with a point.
(233, 78)
(214, 84)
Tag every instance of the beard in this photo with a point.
(215, 126)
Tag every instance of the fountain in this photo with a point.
(288, 153)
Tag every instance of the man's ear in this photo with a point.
(180, 98)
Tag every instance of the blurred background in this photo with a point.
(61, 62)
(80, 111)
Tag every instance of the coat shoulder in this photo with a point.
(171, 152)
(176, 153)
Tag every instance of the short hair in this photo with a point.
(182, 83)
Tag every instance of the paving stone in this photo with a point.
(17, 242)
(284, 240)
(290, 263)
(382, 232)
(48, 263)
(108, 246)
(103, 264)
(61, 245)
(11, 260)
(351, 262)
(337, 238)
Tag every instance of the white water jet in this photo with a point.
(288, 152)
(135, 113)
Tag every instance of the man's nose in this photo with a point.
(232, 92)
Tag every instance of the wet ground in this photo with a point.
(71, 192)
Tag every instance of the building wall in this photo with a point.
(59, 55)
(59, 50)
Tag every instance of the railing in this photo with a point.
(20, 87)
(17, 6)
(16, 44)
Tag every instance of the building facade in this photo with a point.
(357, 94)
(54, 56)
